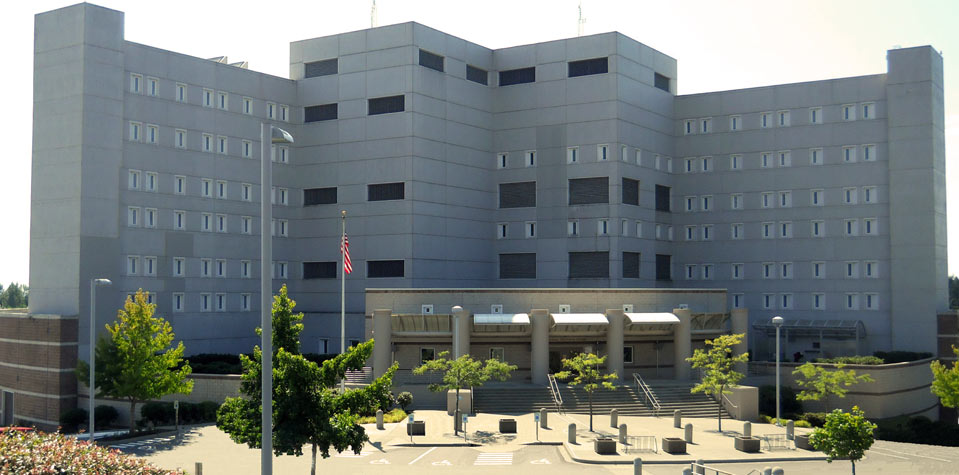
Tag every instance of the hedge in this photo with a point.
(39, 452)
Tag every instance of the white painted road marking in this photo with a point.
(417, 459)
(540, 462)
(363, 453)
(889, 455)
(380, 462)
(445, 463)
(494, 459)
(911, 454)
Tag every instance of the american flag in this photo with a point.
(345, 249)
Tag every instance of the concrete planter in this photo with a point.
(674, 445)
(747, 444)
(507, 426)
(416, 428)
(605, 446)
(802, 442)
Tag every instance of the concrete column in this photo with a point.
(383, 337)
(542, 418)
(739, 323)
(539, 319)
(677, 418)
(747, 429)
(614, 342)
(379, 419)
(682, 344)
(463, 326)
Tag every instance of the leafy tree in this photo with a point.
(307, 408)
(463, 372)
(137, 363)
(14, 296)
(717, 364)
(844, 436)
(953, 291)
(584, 369)
(819, 383)
(945, 381)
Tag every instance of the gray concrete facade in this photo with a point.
(108, 113)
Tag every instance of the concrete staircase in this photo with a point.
(518, 399)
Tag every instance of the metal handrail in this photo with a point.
(648, 396)
(554, 391)
(698, 466)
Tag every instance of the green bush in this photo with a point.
(71, 419)
(208, 411)
(767, 401)
(815, 419)
(901, 356)
(918, 430)
(404, 399)
(864, 360)
(396, 415)
(105, 415)
(803, 424)
(159, 413)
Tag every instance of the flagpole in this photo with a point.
(343, 286)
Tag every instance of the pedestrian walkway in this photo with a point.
(494, 458)
(143, 444)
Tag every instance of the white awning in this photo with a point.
(579, 319)
(501, 319)
(654, 318)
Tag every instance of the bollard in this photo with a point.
(700, 467)
(778, 471)
(687, 471)
(767, 471)
(689, 433)
(614, 418)
(747, 429)
(791, 430)
(678, 419)
(572, 433)
(542, 418)
(198, 468)
(622, 433)
(638, 466)
(379, 419)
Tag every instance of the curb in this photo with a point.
(574, 458)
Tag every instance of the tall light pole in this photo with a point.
(269, 135)
(777, 322)
(94, 283)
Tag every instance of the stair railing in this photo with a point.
(554, 391)
(649, 397)
(735, 407)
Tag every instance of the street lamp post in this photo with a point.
(777, 322)
(94, 283)
(269, 135)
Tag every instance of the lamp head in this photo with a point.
(778, 321)
(278, 135)
(102, 282)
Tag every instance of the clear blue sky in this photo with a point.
(718, 44)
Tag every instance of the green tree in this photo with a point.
(14, 296)
(307, 408)
(463, 372)
(844, 436)
(717, 364)
(583, 368)
(820, 383)
(945, 381)
(953, 291)
(137, 362)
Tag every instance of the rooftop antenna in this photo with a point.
(373, 21)
(581, 23)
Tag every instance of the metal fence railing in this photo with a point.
(699, 468)
(776, 442)
(641, 443)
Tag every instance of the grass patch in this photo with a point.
(396, 415)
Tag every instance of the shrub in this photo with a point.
(396, 415)
(767, 401)
(189, 412)
(815, 419)
(404, 399)
(918, 430)
(901, 356)
(803, 424)
(208, 411)
(159, 413)
(71, 419)
(39, 452)
(105, 415)
(864, 360)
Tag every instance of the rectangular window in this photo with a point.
(386, 191)
(178, 302)
(179, 220)
(738, 300)
(517, 76)
(530, 158)
(179, 138)
(869, 227)
(766, 160)
(431, 60)
(782, 118)
(691, 272)
(245, 269)
(572, 154)
(246, 225)
(517, 266)
(284, 113)
(871, 269)
(602, 227)
(737, 231)
(707, 164)
(319, 270)
(852, 270)
(765, 120)
(284, 153)
(707, 232)
(221, 223)
(706, 202)
(815, 156)
(768, 301)
(602, 153)
(786, 270)
(735, 162)
(477, 75)
(221, 145)
(133, 180)
(690, 233)
(245, 300)
(206, 222)
(767, 200)
(281, 270)
(133, 217)
(868, 110)
(502, 230)
(179, 266)
(221, 267)
(583, 191)
(207, 98)
(284, 195)
(819, 270)
(852, 301)
(768, 230)
(849, 112)
(872, 300)
(631, 265)
(206, 267)
(785, 229)
(689, 127)
(386, 105)
(502, 160)
(207, 142)
(786, 301)
(206, 188)
(380, 269)
(270, 110)
(530, 229)
(325, 67)
(517, 195)
(817, 228)
(850, 195)
(736, 201)
(221, 189)
(815, 115)
(869, 153)
(247, 148)
(818, 301)
(572, 227)
(133, 265)
(705, 126)
(816, 197)
(320, 113)
(205, 303)
(220, 302)
(849, 154)
(589, 265)
(427, 354)
(136, 131)
(664, 267)
(588, 67)
(785, 199)
(246, 192)
(319, 196)
(152, 182)
(624, 153)
(150, 218)
(662, 198)
(851, 227)
(785, 158)
(869, 194)
(661, 82)
(153, 133)
(734, 122)
(222, 100)
(248, 105)
(689, 165)
(630, 192)
(136, 83)
(737, 271)
(181, 92)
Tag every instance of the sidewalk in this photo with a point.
(483, 434)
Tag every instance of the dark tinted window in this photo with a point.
(321, 68)
(517, 76)
(662, 198)
(384, 269)
(588, 265)
(584, 191)
(630, 192)
(385, 105)
(630, 265)
(319, 270)
(660, 81)
(318, 113)
(386, 191)
(588, 66)
(319, 196)
(477, 75)
(517, 195)
(517, 266)
(430, 60)
(664, 267)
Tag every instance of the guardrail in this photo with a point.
(554, 391)
(641, 443)
(649, 397)
(776, 441)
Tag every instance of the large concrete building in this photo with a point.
(564, 164)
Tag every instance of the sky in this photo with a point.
(719, 45)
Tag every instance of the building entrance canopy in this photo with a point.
(832, 328)
(579, 322)
(501, 323)
(652, 318)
